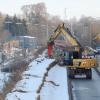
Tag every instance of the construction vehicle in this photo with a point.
(77, 65)
(97, 43)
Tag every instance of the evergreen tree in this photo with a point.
(15, 26)
(8, 23)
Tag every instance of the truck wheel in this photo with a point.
(89, 74)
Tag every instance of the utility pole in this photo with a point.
(71, 24)
(65, 16)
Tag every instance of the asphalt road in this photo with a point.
(84, 89)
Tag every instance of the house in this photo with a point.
(27, 42)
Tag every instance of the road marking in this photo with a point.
(80, 88)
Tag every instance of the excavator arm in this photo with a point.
(70, 37)
(67, 34)
(53, 36)
(65, 31)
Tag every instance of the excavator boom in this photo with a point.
(68, 36)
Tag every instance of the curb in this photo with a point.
(44, 78)
(69, 87)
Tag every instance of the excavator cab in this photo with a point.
(68, 59)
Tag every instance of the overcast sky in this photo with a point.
(75, 8)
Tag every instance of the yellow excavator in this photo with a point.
(76, 63)
(97, 43)
(97, 38)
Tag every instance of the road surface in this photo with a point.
(84, 89)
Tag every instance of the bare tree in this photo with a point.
(36, 15)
